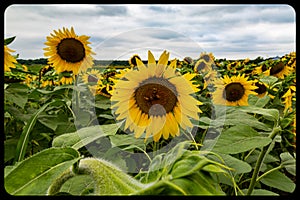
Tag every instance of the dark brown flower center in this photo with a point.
(264, 67)
(92, 79)
(133, 61)
(71, 50)
(261, 88)
(188, 60)
(201, 65)
(233, 92)
(156, 96)
(205, 57)
(277, 68)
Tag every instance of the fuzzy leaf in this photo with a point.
(84, 136)
(35, 174)
(239, 139)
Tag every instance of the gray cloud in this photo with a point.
(225, 30)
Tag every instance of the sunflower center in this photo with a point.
(133, 61)
(233, 92)
(71, 50)
(205, 57)
(264, 67)
(92, 79)
(201, 66)
(277, 68)
(261, 88)
(156, 96)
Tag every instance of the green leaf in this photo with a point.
(7, 41)
(254, 100)
(238, 118)
(108, 178)
(254, 156)
(35, 174)
(269, 80)
(213, 168)
(289, 162)
(17, 93)
(10, 149)
(261, 192)
(125, 140)
(84, 136)
(102, 102)
(279, 181)
(237, 165)
(272, 113)
(23, 141)
(239, 139)
(78, 185)
(188, 165)
(52, 121)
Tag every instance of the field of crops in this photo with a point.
(196, 126)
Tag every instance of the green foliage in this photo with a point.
(55, 146)
(35, 174)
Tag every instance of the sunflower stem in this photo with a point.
(260, 159)
(77, 95)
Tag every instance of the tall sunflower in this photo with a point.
(68, 51)
(9, 60)
(233, 91)
(154, 100)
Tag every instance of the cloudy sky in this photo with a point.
(119, 31)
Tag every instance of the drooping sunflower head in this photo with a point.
(279, 70)
(261, 89)
(188, 60)
(132, 60)
(260, 69)
(233, 91)
(9, 60)
(207, 57)
(66, 78)
(91, 77)
(202, 66)
(68, 51)
(154, 100)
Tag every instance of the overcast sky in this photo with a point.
(119, 31)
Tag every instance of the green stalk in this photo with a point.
(260, 159)
(268, 172)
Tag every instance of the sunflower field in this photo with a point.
(192, 126)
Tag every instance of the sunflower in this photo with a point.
(202, 66)
(279, 70)
(132, 60)
(46, 83)
(91, 77)
(260, 69)
(68, 52)
(104, 89)
(67, 77)
(233, 91)
(154, 100)
(188, 60)
(9, 60)
(208, 57)
(261, 89)
(288, 97)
